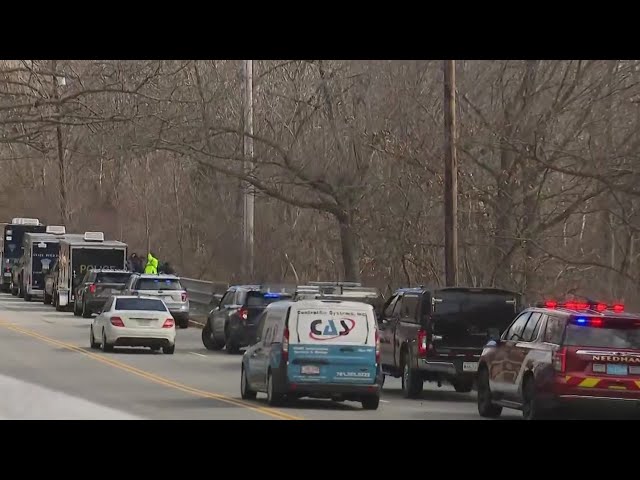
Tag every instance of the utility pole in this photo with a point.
(249, 194)
(450, 175)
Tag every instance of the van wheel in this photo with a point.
(245, 391)
(371, 403)
(27, 297)
(14, 290)
(273, 398)
(208, 340)
(412, 384)
(486, 408)
(20, 291)
(46, 299)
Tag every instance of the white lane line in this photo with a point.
(22, 400)
(198, 354)
(196, 323)
(385, 401)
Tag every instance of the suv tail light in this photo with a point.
(184, 296)
(285, 345)
(243, 313)
(117, 322)
(377, 346)
(169, 323)
(560, 360)
(422, 342)
(92, 288)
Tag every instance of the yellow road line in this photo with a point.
(151, 376)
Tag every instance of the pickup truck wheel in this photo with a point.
(462, 386)
(412, 384)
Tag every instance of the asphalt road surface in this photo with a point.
(48, 371)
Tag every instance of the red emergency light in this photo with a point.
(581, 305)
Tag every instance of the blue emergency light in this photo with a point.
(271, 295)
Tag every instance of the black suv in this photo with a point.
(96, 287)
(232, 323)
(437, 335)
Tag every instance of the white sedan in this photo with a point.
(132, 321)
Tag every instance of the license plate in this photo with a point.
(310, 370)
(144, 323)
(7, 274)
(470, 367)
(616, 369)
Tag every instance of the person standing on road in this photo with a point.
(152, 264)
(135, 263)
(168, 269)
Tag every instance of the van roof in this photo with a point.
(314, 303)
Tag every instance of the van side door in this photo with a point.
(271, 338)
(254, 374)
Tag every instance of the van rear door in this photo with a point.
(332, 343)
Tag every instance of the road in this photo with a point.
(48, 371)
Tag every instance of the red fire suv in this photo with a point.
(562, 355)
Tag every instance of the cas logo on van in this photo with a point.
(328, 330)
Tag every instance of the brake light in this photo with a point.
(92, 288)
(169, 323)
(377, 347)
(285, 345)
(117, 322)
(243, 313)
(422, 342)
(560, 360)
(184, 297)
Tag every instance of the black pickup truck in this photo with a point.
(437, 335)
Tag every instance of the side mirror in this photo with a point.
(492, 343)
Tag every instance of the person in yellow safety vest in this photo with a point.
(152, 264)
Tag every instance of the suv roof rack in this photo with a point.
(269, 288)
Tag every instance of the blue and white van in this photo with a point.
(318, 348)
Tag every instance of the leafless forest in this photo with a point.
(348, 165)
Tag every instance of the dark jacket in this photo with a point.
(135, 265)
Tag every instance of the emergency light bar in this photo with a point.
(25, 221)
(93, 236)
(582, 305)
(56, 229)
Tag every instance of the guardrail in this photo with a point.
(202, 293)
